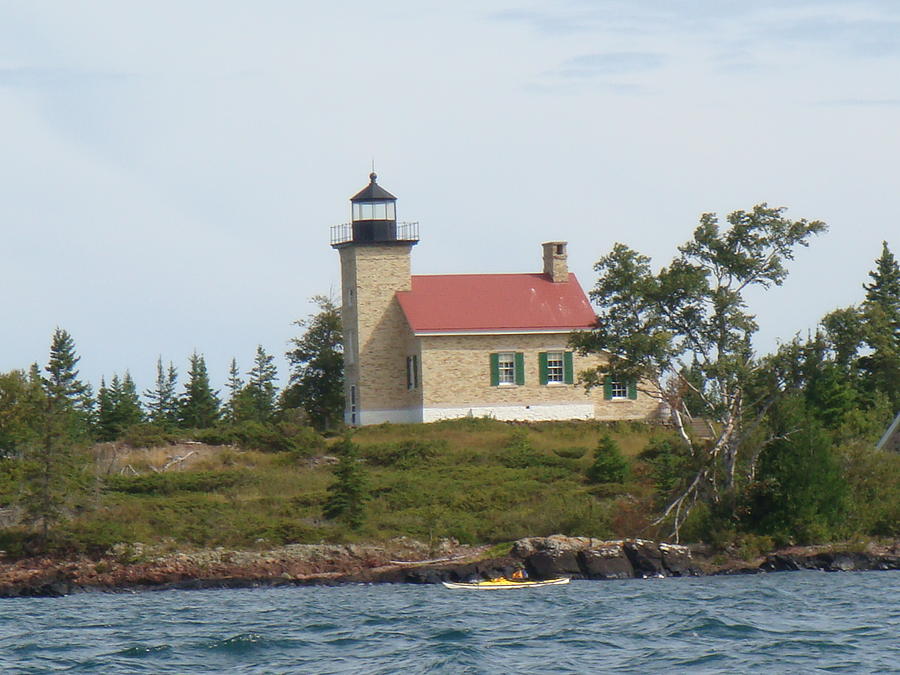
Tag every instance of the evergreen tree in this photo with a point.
(162, 408)
(129, 404)
(798, 490)
(17, 393)
(235, 385)
(199, 404)
(609, 465)
(106, 410)
(349, 493)
(881, 313)
(62, 385)
(884, 290)
(317, 361)
(60, 414)
(258, 396)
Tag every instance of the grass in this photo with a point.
(474, 480)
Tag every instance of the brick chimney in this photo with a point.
(556, 267)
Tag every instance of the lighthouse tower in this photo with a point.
(375, 264)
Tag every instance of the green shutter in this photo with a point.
(495, 370)
(542, 367)
(607, 388)
(568, 368)
(520, 368)
(632, 389)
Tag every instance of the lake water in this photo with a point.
(798, 622)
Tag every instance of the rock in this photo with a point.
(645, 557)
(785, 562)
(607, 562)
(550, 564)
(677, 561)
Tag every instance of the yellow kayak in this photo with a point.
(490, 584)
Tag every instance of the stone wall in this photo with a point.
(376, 332)
(456, 380)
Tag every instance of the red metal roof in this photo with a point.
(494, 302)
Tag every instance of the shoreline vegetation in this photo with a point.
(441, 501)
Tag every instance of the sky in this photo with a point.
(170, 169)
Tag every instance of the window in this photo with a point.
(506, 364)
(618, 390)
(412, 372)
(373, 211)
(556, 368)
(507, 369)
(352, 404)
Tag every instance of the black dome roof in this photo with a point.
(372, 192)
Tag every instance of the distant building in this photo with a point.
(421, 348)
(891, 438)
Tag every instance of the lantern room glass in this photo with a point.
(382, 210)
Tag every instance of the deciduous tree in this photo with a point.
(317, 367)
(692, 316)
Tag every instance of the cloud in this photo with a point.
(610, 63)
(866, 38)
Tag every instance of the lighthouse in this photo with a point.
(375, 256)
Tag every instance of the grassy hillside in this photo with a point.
(474, 480)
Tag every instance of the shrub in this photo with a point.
(570, 453)
(182, 481)
(609, 465)
(92, 537)
(668, 461)
(519, 453)
(403, 454)
(148, 436)
(252, 435)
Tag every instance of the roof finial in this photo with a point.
(373, 175)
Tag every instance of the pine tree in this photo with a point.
(60, 413)
(881, 315)
(609, 465)
(260, 391)
(199, 404)
(129, 404)
(884, 290)
(348, 495)
(106, 410)
(163, 406)
(61, 383)
(235, 385)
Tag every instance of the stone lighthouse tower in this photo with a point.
(375, 264)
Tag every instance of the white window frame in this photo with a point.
(506, 369)
(618, 390)
(556, 373)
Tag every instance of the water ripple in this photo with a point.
(798, 622)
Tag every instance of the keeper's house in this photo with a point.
(421, 348)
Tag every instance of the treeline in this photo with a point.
(313, 395)
(791, 454)
(49, 416)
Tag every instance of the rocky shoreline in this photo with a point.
(136, 568)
